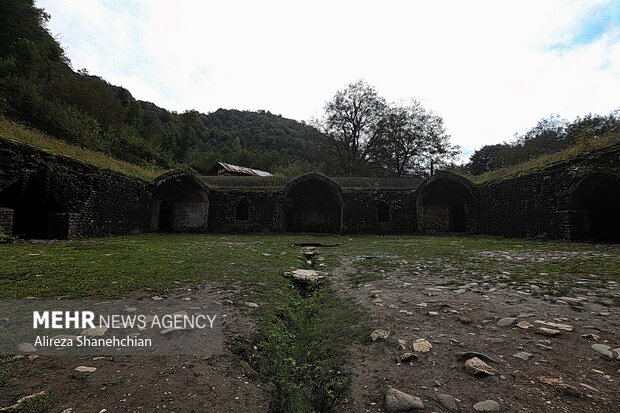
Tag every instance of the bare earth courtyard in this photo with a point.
(539, 319)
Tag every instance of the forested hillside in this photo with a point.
(38, 87)
(550, 135)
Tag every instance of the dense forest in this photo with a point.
(38, 87)
(360, 134)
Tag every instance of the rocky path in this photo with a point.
(484, 344)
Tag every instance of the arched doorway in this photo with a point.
(32, 205)
(445, 203)
(181, 204)
(313, 204)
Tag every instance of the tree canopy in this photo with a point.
(364, 132)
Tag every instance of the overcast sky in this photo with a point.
(490, 68)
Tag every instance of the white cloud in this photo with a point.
(487, 67)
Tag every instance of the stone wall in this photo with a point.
(78, 200)
(6, 220)
(361, 211)
(44, 195)
(549, 203)
(264, 210)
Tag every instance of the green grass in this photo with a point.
(39, 404)
(303, 336)
(544, 161)
(4, 371)
(13, 131)
(304, 346)
(117, 266)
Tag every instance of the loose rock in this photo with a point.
(398, 401)
(506, 322)
(85, 369)
(379, 335)
(422, 345)
(547, 331)
(447, 401)
(487, 406)
(478, 367)
(523, 355)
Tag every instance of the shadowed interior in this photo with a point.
(313, 206)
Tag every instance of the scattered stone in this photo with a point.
(304, 275)
(544, 346)
(18, 405)
(547, 331)
(524, 325)
(95, 331)
(406, 357)
(433, 313)
(26, 348)
(571, 300)
(248, 370)
(447, 401)
(251, 304)
(465, 320)
(506, 322)
(397, 401)
(487, 406)
(594, 337)
(564, 327)
(606, 351)
(560, 385)
(586, 386)
(379, 335)
(85, 369)
(377, 300)
(421, 345)
(523, 355)
(478, 367)
(402, 343)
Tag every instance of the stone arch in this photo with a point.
(34, 207)
(594, 204)
(313, 203)
(446, 202)
(180, 203)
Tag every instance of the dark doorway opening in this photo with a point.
(603, 207)
(383, 212)
(313, 206)
(243, 210)
(32, 206)
(457, 218)
(165, 216)
(446, 205)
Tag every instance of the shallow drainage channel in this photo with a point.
(304, 344)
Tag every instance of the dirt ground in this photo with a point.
(456, 309)
(413, 303)
(154, 383)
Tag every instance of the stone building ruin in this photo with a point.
(49, 196)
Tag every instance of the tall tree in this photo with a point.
(351, 124)
(403, 137)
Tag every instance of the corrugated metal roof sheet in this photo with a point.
(243, 170)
